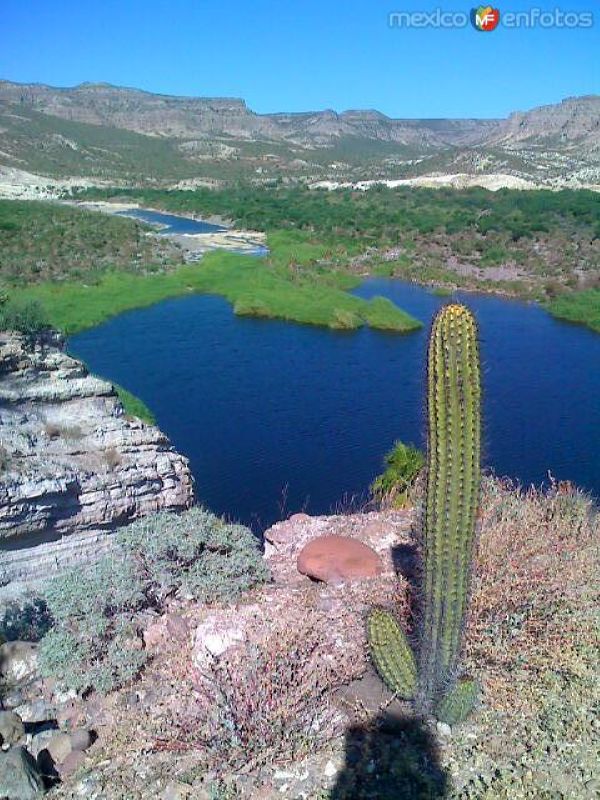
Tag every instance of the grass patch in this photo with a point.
(133, 406)
(581, 307)
(253, 287)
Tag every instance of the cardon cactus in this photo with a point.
(392, 654)
(453, 480)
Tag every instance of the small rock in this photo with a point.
(80, 739)
(60, 697)
(11, 727)
(40, 741)
(70, 715)
(71, 763)
(330, 769)
(334, 559)
(444, 729)
(20, 778)
(216, 642)
(282, 775)
(38, 711)
(18, 661)
(59, 747)
(12, 699)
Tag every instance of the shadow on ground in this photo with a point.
(391, 759)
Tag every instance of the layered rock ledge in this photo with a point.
(73, 465)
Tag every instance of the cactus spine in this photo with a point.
(392, 654)
(453, 479)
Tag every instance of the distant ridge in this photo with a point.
(38, 134)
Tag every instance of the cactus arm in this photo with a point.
(456, 706)
(392, 654)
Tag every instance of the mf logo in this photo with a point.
(485, 18)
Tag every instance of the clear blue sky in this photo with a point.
(311, 54)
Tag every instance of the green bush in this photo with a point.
(194, 554)
(26, 316)
(403, 464)
(96, 641)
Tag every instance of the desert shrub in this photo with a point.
(27, 621)
(536, 565)
(195, 554)
(269, 701)
(403, 464)
(96, 641)
(26, 316)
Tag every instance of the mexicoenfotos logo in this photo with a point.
(485, 18)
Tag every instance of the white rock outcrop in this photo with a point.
(73, 465)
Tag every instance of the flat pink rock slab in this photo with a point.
(337, 559)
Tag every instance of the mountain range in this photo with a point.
(104, 131)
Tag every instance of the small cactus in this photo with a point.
(392, 654)
(456, 706)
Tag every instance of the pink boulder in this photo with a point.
(336, 559)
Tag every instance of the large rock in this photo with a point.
(74, 464)
(11, 727)
(20, 777)
(18, 661)
(335, 559)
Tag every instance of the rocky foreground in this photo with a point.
(273, 696)
(73, 465)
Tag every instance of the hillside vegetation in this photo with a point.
(46, 241)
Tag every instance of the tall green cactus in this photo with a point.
(453, 480)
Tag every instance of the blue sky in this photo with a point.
(295, 56)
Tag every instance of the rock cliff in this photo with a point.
(73, 465)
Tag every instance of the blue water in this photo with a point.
(171, 223)
(277, 417)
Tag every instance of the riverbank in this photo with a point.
(192, 245)
(292, 284)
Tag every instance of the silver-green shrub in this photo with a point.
(198, 556)
(96, 640)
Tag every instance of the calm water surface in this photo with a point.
(277, 418)
(171, 223)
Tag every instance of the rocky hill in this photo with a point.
(112, 132)
(185, 117)
(73, 466)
